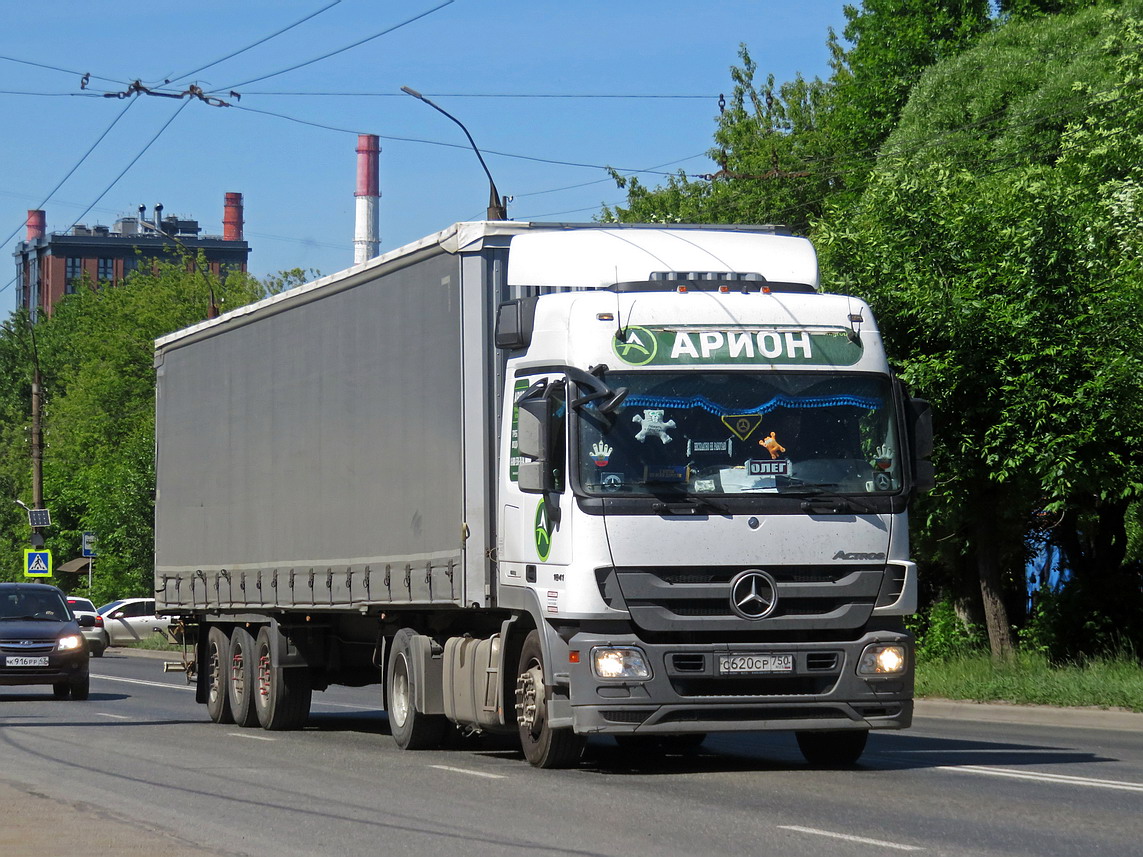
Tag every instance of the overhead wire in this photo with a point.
(253, 45)
(397, 139)
(72, 170)
(585, 95)
(326, 56)
(123, 172)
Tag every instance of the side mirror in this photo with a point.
(86, 621)
(533, 439)
(921, 440)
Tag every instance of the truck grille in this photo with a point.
(698, 599)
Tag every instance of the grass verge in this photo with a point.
(1031, 679)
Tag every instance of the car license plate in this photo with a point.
(18, 661)
(763, 663)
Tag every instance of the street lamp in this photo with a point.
(212, 307)
(497, 205)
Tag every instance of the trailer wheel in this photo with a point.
(543, 746)
(282, 695)
(833, 749)
(217, 659)
(411, 729)
(242, 677)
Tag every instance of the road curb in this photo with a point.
(1037, 715)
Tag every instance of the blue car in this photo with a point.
(41, 640)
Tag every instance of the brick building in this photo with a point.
(49, 266)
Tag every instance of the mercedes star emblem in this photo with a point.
(753, 594)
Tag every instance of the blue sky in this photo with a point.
(288, 143)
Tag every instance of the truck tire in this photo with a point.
(543, 746)
(282, 695)
(242, 677)
(411, 729)
(216, 676)
(833, 749)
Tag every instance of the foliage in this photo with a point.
(978, 181)
(765, 139)
(96, 354)
(1076, 622)
(1029, 678)
(1007, 291)
(943, 635)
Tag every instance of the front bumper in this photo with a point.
(61, 667)
(686, 692)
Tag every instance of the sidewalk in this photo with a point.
(1034, 715)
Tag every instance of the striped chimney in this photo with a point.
(366, 240)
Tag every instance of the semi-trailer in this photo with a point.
(552, 480)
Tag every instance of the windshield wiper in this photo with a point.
(687, 506)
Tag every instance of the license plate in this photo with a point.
(765, 663)
(17, 661)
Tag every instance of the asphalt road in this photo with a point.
(138, 769)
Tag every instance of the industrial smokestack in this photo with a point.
(232, 218)
(37, 224)
(366, 240)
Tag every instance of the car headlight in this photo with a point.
(70, 643)
(882, 660)
(621, 663)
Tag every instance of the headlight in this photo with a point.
(882, 660)
(70, 643)
(620, 663)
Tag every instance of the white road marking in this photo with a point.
(1087, 782)
(880, 843)
(251, 737)
(166, 684)
(114, 716)
(467, 771)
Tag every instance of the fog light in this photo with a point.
(882, 660)
(620, 663)
(70, 643)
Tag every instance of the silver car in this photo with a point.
(131, 619)
(97, 637)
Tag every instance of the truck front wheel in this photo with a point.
(282, 695)
(543, 746)
(833, 749)
(217, 659)
(242, 677)
(411, 729)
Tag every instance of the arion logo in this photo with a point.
(637, 347)
(543, 532)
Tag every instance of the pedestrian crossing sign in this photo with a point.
(37, 563)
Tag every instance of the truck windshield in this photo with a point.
(710, 433)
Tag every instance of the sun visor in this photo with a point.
(601, 257)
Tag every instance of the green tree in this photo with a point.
(97, 356)
(998, 242)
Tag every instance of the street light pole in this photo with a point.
(497, 205)
(211, 307)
